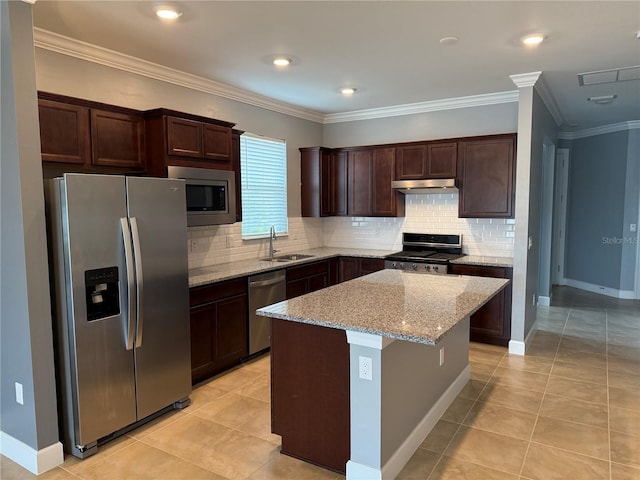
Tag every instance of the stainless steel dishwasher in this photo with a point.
(264, 289)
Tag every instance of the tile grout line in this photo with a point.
(544, 393)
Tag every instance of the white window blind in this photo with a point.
(263, 165)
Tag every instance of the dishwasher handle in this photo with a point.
(265, 283)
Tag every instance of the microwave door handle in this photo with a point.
(137, 255)
(128, 258)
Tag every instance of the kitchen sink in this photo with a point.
(292, 256)
(287, 258)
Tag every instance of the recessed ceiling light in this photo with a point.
(281, 61)
(167, 12)
(448, 40)
(347, 91)
(533, 39)
(603, 99)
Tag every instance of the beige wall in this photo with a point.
(78, 78)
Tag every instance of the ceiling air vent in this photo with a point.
(609, 76)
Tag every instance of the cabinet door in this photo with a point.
(360, 182)
(486, 178)
(384, 197)
(203, 324)
(349, 268)
(370, 265)
(117, 140)
(411, 162)
(492, 323)
(231, 331)
(326, 181)
(317, 282)
(334, 271)
(217, 145)
(184, 137)
(64, 133)
(235, 165)
(339, 171)
(441, 160)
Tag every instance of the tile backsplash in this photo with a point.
(430, 213)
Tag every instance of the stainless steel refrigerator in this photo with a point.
(118, 255)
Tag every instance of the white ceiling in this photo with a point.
(388, 50)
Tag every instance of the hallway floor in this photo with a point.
(569, 409)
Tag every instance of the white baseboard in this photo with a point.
(517, 347)
(399, 459)
(36, 461)
(610, 292)
(544, 301)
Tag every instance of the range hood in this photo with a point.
(436, 185)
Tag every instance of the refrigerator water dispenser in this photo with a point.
(102, 293)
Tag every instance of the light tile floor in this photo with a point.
(569, 409)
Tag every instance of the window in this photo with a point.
(263, 165)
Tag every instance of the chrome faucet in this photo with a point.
(272, 237)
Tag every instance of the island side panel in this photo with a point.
(413, 381)
(310, 392)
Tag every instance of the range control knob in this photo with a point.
(436, 268)
(427, 268)
(414, 266)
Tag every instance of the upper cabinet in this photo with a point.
(181, 139)
(426, 160)
(87, 136)
(486, 177)
(370, 172)
(323, 175)
(484, 169)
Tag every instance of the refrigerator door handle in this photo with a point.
(131, 281)
(137, 255)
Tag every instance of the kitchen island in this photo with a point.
(363, 370)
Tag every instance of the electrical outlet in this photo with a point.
(229, 241)
(19, 394)
(633, 227)
(193, 245)
(364, 368)
(441, 356)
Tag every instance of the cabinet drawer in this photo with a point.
(308, 270)
(216, 291)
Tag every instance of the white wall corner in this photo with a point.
(549, 101)
(544, 301)
(517, 347)
(36, 461)
(525, 79)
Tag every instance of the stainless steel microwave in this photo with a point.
(211, 195)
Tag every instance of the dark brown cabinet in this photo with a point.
(218, 327)
(185, 140)
(117, 139)
(354, 267)
(492, 323)
(307, 278)
(323, 175)
(235, 164)
(310, 392)
(426, 160)
(359, 189)
(370, 172)
(90, 136)
(486, 177)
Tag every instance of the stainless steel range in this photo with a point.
(425, 253)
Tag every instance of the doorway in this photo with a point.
(546, 222)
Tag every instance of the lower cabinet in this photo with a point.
(492, 323)
(218, 327)
(307, 278)
(354, 267)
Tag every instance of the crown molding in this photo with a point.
(590, 132)
(64, 45)
(85, 51)
(525, 79)
(549, 101)
(424, 107)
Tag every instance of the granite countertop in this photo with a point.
(407, 306)
(228, 271)
(484, 261)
